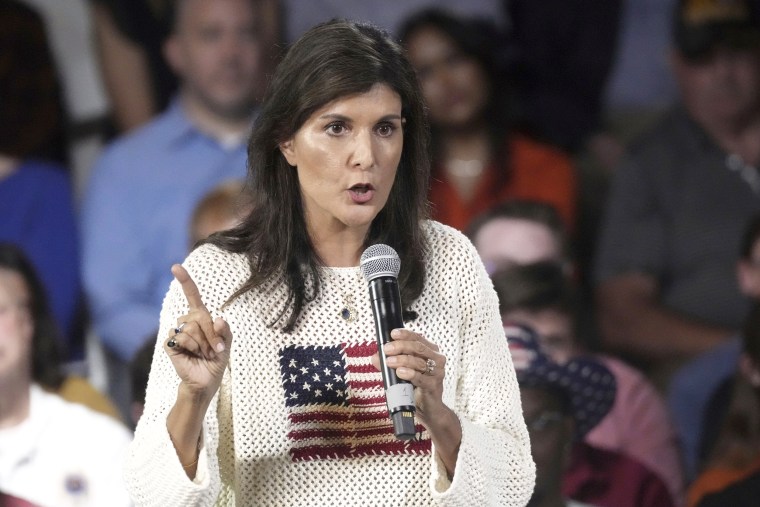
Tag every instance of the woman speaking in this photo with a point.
(265, 386)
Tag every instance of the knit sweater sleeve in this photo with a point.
(494, 464)
(153, 472)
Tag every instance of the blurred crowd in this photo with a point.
(601, 155)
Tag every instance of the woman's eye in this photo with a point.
(336, 128)
(386, 130)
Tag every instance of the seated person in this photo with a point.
(479, 157)
(561, 403)
(735, 453)
(519, 231)
(52, 452)
(700, 380)
(663, 270)
(141, 192)
(541, 296)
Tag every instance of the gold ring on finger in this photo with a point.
(429, 367)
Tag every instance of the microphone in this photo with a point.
(380, 265)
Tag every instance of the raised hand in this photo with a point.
(199, 347)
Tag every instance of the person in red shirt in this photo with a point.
(479, 159)
(561, 403)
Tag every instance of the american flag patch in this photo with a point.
(336, 404)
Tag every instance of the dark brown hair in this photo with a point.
(332, 60)
(481, 41)
(46, 356)
(535, 287)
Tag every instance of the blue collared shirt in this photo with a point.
(136, 218)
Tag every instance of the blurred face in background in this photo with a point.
(454, 84)
(722, 86)
(16, 327)
(554, 329)
(217, 52)
(503, 242)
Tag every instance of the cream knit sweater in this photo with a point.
(300, 420)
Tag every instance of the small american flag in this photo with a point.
(336, 404)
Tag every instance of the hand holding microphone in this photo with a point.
(406, 359)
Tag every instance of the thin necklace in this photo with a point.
(348, 312)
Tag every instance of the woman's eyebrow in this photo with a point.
(337, 116)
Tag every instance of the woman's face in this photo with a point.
(453, 83)
(16, 326)
(346, 155)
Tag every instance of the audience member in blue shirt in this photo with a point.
(142, 192)
(136, 218)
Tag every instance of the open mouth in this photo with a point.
(361, 193)
(361, 188)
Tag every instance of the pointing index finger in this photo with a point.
(192, 294)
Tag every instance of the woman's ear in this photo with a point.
(286, 148)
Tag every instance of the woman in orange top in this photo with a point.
(478, 159)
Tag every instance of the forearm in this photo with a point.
(446, 434)
(125, 73)
(185, 426)
(632, 320)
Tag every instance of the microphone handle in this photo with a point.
(386, 308)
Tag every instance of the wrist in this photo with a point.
(444, 428)
(185, 423)
(445, 432)
(438, 415)
(192, 396)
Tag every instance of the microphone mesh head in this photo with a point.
(380, 260)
